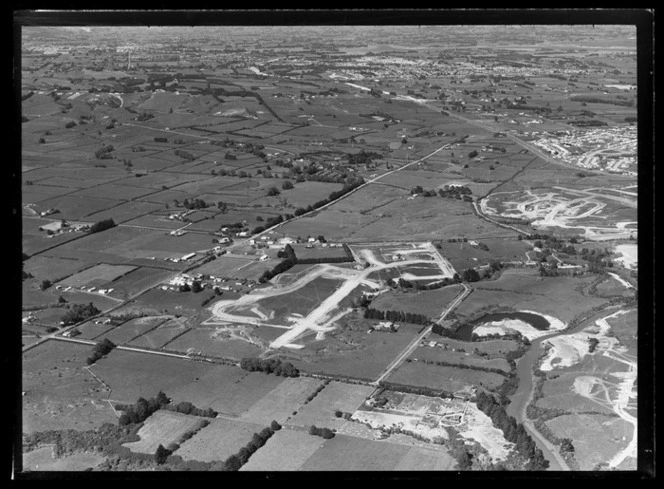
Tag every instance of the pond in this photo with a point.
(535, 320)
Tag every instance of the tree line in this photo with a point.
(102, 225)
(513, 431)
(404, 317)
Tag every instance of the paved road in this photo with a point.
(413, 344)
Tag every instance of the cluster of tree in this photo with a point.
(455, 192)
(592, 344)
(473, 154)
(270, 366)
(587, 123)
(404, 317)
(102, 225)
(101, 349)
(326, 433)
(79, 312)
(418, 190)
(160, 140)
(271, 221)
(514, 432)
(103, 439)
(597, 259)
(186, 407)
(194, 204)
(184, 154)
(404, 284)
(70, 124)
(138, 149)
(363, 157)
(470, 275)
(446, 332)
(104, 153)
(141, 409)
(229, 156)
(273, 192)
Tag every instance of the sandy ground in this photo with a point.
(629, 255)
(619, 394)
(621, 280)
(323, 317)
(508, 325)
(554, 210)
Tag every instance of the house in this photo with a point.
(188, 256)
(263, 257)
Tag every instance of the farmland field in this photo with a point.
(59, 392)
(219, 440)
(335, 395)
(431, 303)
(357, 454)
(42, 460)
(496, 163)
(280, 402)
(286, 450)
(449, 379)
(596, 438)
(163, 428)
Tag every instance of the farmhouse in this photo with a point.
(188, 256)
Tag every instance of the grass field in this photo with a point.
(595, 438)
(280, 402)
(431, 303)
(163, 428)
(357, 454)
(335, 395)
(42, 460)
(97, 276)
(51, 268)
(208, 342)
(90, 330)
(449, 379)
(227, 389)
(560, 297)
(354, 353)
(286, 450)
(459, 358)
(59, 392)
(125, 332)
(219, 440)
(301, 301)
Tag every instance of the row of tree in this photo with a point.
(404, 317)
(513, 431)
(235, 462)
(186, 407)
(269, 366)
(184, 154)
(142, 409)
(102, 225)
